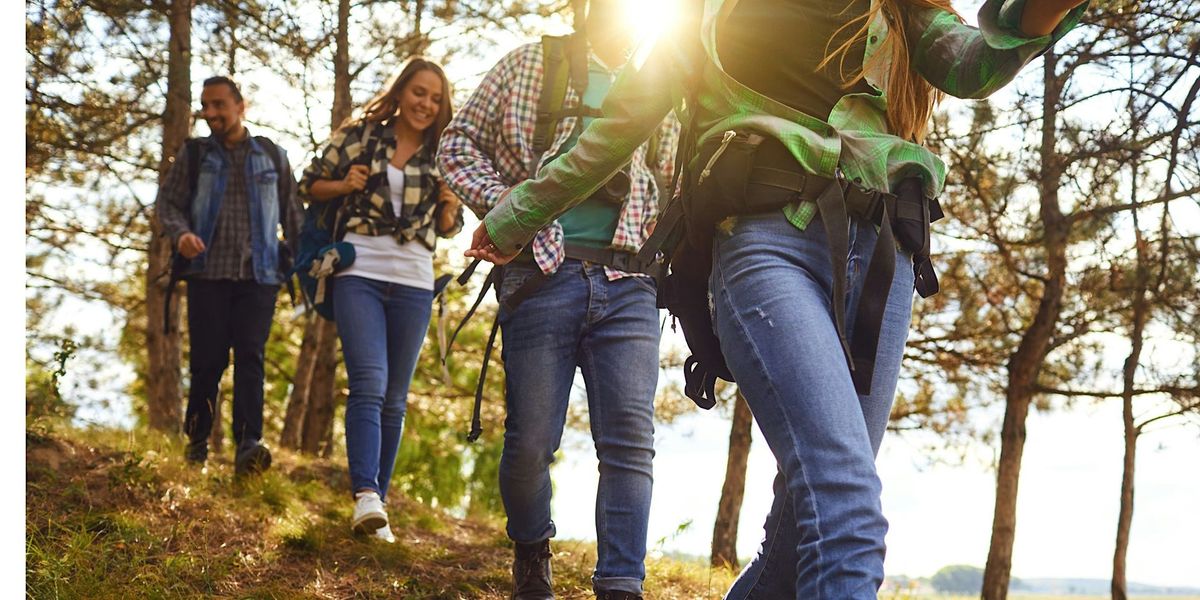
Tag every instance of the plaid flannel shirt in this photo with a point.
(488, 148)
(958, 59)
(373, 214)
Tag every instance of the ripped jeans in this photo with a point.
(771, 286)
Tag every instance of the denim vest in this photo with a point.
(262, 185)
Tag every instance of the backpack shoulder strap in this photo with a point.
(276, 156)
(272, 151)
(555, 78)
(195, 149)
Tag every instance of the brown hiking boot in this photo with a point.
(531, 572)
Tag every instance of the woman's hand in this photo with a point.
(1041, 17)
(355, 180)
(483, 248)
(447, 197)
(447, 211)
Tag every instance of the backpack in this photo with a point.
(179, 264)
(321, 249)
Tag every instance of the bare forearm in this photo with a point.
(325, 189)
(1042, 16)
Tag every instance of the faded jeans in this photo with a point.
(771, 288)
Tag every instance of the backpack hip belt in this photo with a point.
(747, 173)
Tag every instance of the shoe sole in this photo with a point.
(258, 460)
(369, 523)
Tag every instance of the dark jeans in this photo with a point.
(224, 314)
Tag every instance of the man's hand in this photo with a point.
(356, 179)
(482, 247)
(190, 245)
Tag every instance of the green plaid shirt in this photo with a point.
(961, 60)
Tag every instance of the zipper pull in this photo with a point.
(725, 139)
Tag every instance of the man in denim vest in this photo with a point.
(222, 203)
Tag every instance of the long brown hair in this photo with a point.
(910, 99)
(386, 104)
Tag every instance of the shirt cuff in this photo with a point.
(1000, 23)
(504, 226)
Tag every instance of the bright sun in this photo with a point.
(649, 18)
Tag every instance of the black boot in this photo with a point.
(197, 452)
(531, 572)
(617, 595)
(252, 457)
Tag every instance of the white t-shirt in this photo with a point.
(382, 258)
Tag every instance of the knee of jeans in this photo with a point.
(628, 447)
(522, 454)
(209, 366)
(393, 411)
(249, 350)
(368, 381)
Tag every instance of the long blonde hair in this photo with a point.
(910, 99)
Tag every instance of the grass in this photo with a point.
(121, 515)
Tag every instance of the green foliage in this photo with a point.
(958, 579)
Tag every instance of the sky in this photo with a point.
(939, 514)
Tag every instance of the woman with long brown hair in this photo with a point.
(808, 118)
(395, 207)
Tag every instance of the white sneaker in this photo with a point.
(369, 515)
(385, 534)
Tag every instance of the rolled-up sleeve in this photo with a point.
(970, 62)
(333, 161)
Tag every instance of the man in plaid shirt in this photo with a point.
(582, 314)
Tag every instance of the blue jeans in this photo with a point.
(771, 286)
(610, 330)
(382, 326)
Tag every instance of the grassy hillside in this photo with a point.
(121, 515)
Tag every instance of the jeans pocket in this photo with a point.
(645, 283)
(514, 276)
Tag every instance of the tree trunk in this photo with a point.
(293, 419)
(1141, 313)
(1024, 366)
(318, 419)
(724, 542)
(311, 406)
(163, 350)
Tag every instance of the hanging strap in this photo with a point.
(476, 419)
(872, 303)
(321, 271)
(832, 205)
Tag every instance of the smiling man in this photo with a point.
(222, 203)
